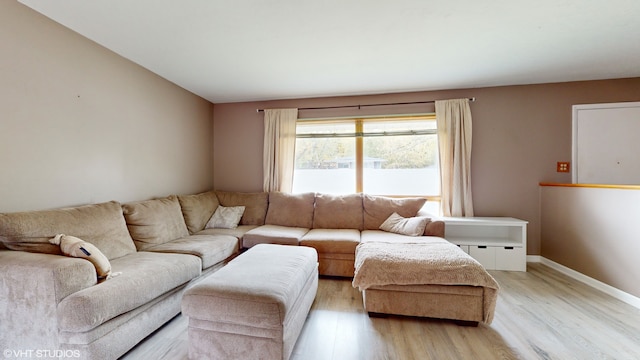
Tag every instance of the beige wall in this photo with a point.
(519, 133)
(593, 231)
(80, 124)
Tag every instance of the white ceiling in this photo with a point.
(244, 50)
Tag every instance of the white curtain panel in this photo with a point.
(279, 149)
(454, 143)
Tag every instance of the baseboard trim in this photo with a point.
(607, 289)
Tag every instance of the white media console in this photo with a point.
(498, 243)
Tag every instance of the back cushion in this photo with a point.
(154, 222)
(100, 224)
(338, 212)
(197, 209)
(378, 208)
(294, 210)
(255, 205)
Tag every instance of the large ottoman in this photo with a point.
(254, 307)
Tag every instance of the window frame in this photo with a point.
(359, 136)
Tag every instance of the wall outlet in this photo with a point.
(563, 166)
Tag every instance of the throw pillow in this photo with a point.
(413, 226)
(255, 204)
(377, 208)
(75, 247)
(225, 217)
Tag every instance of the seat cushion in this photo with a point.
(384, 236)
(211, 249)
(237, 232)
(273, 234)
(342, 241)
(144, 276)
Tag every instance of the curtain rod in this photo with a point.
(366, 105)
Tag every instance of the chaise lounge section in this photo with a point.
(425, 277)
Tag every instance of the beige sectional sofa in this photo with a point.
(160, 247)
(332, 224)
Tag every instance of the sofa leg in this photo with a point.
(466, 323)
(377, 315)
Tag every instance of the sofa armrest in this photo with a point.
(435, 228)
(31, 286)
(62, 275)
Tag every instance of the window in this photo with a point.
(394, 156)
(322, 150)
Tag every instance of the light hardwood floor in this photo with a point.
(540, 314)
